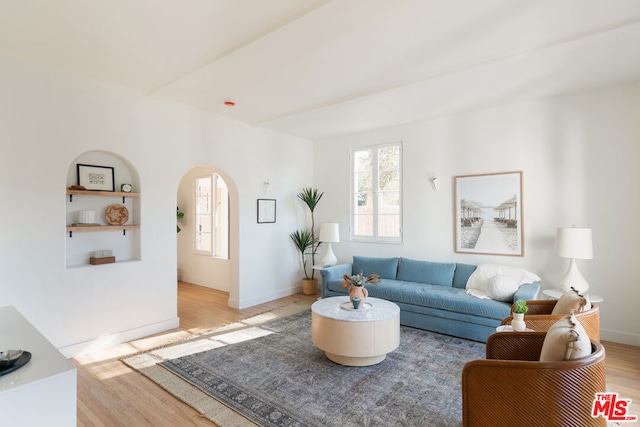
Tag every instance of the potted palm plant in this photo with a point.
(303, 241)
(306, 241)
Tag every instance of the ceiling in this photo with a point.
(318, 68)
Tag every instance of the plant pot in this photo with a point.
(518, 323)
(309, 286)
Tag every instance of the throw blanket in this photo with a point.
(498, 282)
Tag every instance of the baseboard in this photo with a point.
(250, 302)
(74, 350)
(201, 282)
(619, 337)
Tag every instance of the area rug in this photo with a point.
(273, 375)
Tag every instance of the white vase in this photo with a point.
(518, 323)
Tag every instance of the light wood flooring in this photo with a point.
(110, 394)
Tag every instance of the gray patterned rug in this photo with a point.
(281, 379)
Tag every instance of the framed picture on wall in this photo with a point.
(98, 178)
(488, 214)
(266, 210)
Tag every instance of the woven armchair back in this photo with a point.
(519, 391)
(539, 317)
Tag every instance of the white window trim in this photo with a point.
(375, 238)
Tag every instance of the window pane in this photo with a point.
(389, 180)
(203, 231)
(363, 203)
(203, 205)
(389, 203)
(362, 160)
(389, 168)
(203, 186)
(363, 225)
(203, 242)
(389, 157)
(389, 226)
(363, 181)
(203, 224)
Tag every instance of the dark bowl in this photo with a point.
(9, 358)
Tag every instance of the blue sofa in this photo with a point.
(430, 295)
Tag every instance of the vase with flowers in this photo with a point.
(356, 289)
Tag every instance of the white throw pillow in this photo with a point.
(478, 282)
(569, 302)
(565, 340)
(502, 288)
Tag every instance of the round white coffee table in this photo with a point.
(355, 337)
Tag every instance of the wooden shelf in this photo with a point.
(101, 227)
(84, 228)
(71, 193)
(102, 193)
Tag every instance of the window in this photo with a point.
(377, 193)
(212, 217)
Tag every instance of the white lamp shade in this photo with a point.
(572, 242)
(329, 232)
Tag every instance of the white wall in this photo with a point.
(579, 154)
(48, 118)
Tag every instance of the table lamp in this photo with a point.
(329, 233)
(574, 243)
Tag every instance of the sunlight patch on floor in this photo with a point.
(105, 349)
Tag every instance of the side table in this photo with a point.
(557, 293)
(508, 328)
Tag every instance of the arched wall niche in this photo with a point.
(215, 273)
(84, 240)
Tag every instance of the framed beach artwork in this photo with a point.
(488, 214)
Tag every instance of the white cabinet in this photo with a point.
(43, 392)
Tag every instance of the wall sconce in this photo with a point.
(265, 186)
(435, 183)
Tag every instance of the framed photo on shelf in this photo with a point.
(488, 214)
(98, 178)
(266, 210)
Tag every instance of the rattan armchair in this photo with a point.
(512, 388)
(539, 317)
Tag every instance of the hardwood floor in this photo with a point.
(110, 394)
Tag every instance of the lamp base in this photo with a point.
(329, 259)
(573, 279)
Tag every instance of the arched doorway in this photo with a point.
(207, 250)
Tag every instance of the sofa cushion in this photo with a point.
(386, 268)
(461, 274)
(570, 301)
(502, 287)
(438, 297)
(565, 340)
(432, 273)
